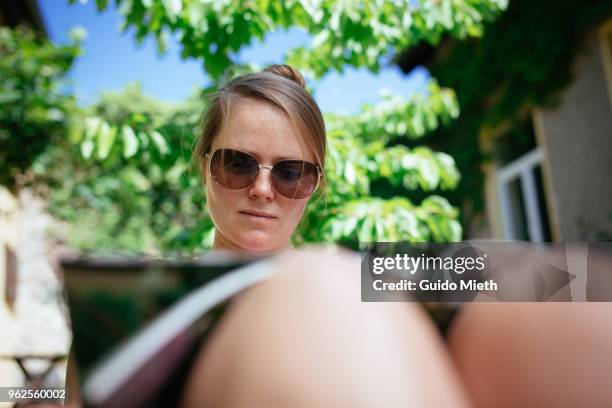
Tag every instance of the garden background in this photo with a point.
(488, 113)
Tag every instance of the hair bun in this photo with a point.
(288, 72)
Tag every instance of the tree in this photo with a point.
(370, 168)
(130, 187)
(34, 110)
(354, 33)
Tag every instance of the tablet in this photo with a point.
(138, 323)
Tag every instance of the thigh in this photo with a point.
(304, 338)
(535, 354)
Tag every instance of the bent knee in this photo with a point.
(305, 335)
(533, 354)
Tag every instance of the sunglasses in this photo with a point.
(235, 170)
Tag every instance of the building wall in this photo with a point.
(577, 139)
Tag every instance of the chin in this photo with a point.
(259, 242)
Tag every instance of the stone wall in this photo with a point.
(35, 322)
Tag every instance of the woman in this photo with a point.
(305, 338)
(262, 151)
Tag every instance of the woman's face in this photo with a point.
(267, 133)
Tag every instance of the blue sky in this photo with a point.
(112, 59)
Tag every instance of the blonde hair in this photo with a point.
(281, 86)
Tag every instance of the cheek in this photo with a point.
(219, 202)
(294, 211)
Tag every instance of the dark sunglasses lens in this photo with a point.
(233, 169)
(295, 178)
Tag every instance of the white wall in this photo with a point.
(577, 139)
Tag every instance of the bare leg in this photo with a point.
(535, 354)
(305, 339)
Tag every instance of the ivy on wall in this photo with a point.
(524, 60)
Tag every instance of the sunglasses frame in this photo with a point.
(209, 156)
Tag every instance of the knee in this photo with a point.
(277, 336)
(305, 337)
(531, 354)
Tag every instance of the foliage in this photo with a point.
(131, 181)
(395, 118)
(130, 187)
(33, 108)
(347, 33)
(126, 192)
(359, 156)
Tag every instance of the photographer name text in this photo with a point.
(439, 285)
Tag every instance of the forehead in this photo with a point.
(263, 130)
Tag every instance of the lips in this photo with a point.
(257, 214)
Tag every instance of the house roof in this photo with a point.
(16, 12)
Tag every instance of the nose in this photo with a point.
(262, 187)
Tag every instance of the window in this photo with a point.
(522, 200)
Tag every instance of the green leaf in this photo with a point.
(159, 142)
(9, 97)
(106, 138)
(130, 142)
(349, 173)
(92, 125)
(162, 42)
(173, 8)
(87, 148)
(349, 226)
(101, 4)
(365, 232)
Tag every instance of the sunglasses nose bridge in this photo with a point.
(261, 182)
(261, 166)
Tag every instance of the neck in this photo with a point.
(222, 243)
